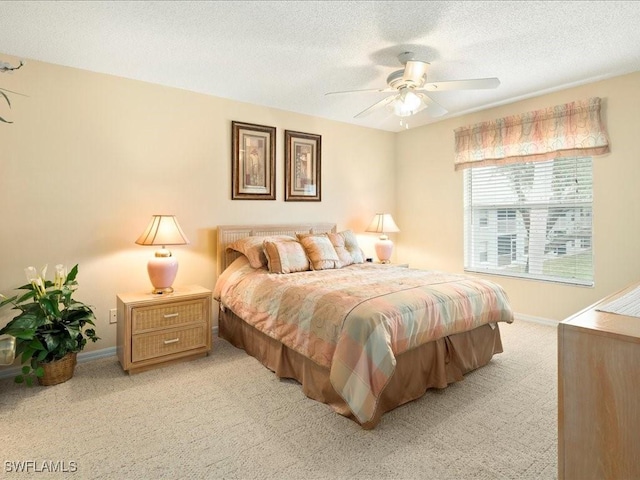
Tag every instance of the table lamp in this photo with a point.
(163, 230)
(7, 349)
(383, 223)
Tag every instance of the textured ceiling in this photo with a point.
(288, 54)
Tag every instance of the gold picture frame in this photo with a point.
(253, 161)
(302, 162)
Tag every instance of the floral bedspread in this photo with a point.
(356, 319)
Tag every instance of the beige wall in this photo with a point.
(90, 157)
(430, 200)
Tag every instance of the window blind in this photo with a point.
(531, 220)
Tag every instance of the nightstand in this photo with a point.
(405, 265)
(156, 330)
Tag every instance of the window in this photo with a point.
(531, 220)
(506, 220)
(483, 252)
(507, 249)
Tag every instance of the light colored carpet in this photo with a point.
(226, 416)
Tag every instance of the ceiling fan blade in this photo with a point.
(382, 103)
(414, 71)
(387, 89)
(433, 108)
(472, 84)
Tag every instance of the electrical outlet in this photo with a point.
(113, 316)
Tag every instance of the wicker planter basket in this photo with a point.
(58, 371)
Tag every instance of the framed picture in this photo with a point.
(253, 161)
(302, 157)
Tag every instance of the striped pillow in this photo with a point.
(285, 256)
(320, 251)
(252, 247)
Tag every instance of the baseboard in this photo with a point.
(532, 319)
(82, 358)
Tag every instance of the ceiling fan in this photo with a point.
(409, 84)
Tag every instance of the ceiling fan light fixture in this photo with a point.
(407, 104)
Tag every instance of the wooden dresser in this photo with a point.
(154, 330)
(599, 395)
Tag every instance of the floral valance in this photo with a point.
(569, 130)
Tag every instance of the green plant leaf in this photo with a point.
(27, 296)
(71, 276)
(24, 322)
(24, 335)
(51, 341)
(39, 372)
(8, 301)
(4, 95)
(19, 379)
(25, 369)
(50, 305)
(91, 333)
(26, 355)
(36, 345)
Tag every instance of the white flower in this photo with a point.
(61, 276)
(31, 273)
(36, 280)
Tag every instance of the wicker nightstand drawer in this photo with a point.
(152, 345)
(155, 330)
(146, 319)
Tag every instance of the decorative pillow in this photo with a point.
(253, 249)
(320, 251)
(346, 245)
(337, 241)
(285, 256)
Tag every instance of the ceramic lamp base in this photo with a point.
(162, 291)
(384, 249)
(162, 270)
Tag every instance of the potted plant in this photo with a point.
(51, 327)
(6, 67)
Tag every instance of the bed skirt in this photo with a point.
(433, 365)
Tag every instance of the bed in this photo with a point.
(363, 338)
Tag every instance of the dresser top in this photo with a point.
(179, 293)
(606, 323)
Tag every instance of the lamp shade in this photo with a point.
(383, 223)
(163, 230)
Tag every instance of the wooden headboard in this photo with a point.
(230, 233)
